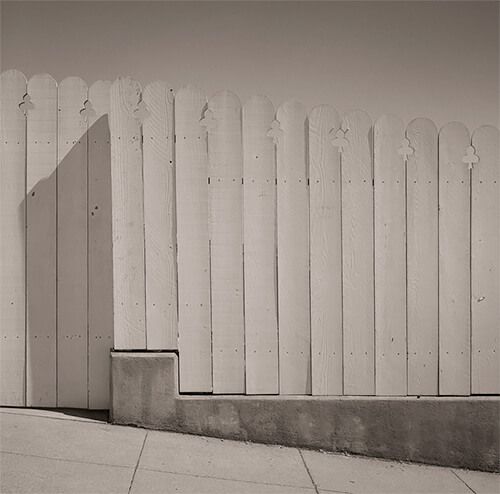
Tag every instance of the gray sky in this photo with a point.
(423, 58)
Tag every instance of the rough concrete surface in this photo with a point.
(48, 454)
(456, 432)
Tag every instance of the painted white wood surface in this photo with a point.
(454, 261)
(390, 256)
(357, 253)
(159, 218)
(422, 258)
(225, 158)
(325, 252)
(259, 221)
(100, 267)
(12, 238)
(293, 251)
(41, 224)
(193, 263)
(485, 262)
(72, 335)
(128, 217)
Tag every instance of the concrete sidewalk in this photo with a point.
(59, 452)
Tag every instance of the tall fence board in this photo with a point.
(422, 258)
(485, 262)
(159, 224)
(357, 253)
(325, 252)
(454, 261)
(100, 258)
(225, 155)
(191, 160)
(128, 216)
(72, 245)
(293, 251)
(41, 205)
(12, 238)
(261, 312)
(390, 256)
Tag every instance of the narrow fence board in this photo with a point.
(325, 252)
(12, 239)
(100, 267)
(261, 325)
(422, 258)
(72, 335)
(41, 204)
(454, 261)
(128, 216)
(357, 253)
(159, 222)
(390, 257)
(193, 263)
(225, 157)
(485, 274)
(293, 251)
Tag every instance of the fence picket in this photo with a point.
(422, 258)
(357, 253)
(193, 263)
(261, 326)
(12, 238)
(390, 256)
(485, 242)
(225, 157)
(41, 204)
(325, 252)
(159, 222)
(454, 261)
(128, 216)
(293, 251)
(100, 261)
(72, 245)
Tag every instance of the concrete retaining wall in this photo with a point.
(447, 431)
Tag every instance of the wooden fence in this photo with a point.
(279, 253)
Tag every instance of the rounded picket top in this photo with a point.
(224, 99)
(39, 81)
(486, 130)
(453, 127)
(356, 117)
(325, 113)
(190, 91)
(158, 86)
(72, 82)
(258, 104)
(388, 121)
(422, 124)
(13, 75)
(486, 143)
(291, 109)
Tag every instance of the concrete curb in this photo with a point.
(460, 432)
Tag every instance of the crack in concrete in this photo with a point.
(137, 464)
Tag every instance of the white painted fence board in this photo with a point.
(193, 263)
(325, 252)
(225, 157)
(390, 257)
(485, 262)
(261, 313)
(128, 216)
(159, 219)
(422, 258)
(72, 334)
(12, 238)
(454, 261)
(41, 207)
(293, 251)
(357, 253)
(100, 267)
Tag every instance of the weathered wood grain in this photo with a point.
(193, 263)
(454, 261)
(159, 219)
(422, 258)
(293, 251)
(225, 157)
(128, 216)
(325, 252)
(485, 243)
(390, 257)
(259, 221)
(12, 239)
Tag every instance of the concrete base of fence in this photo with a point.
(447, 431)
